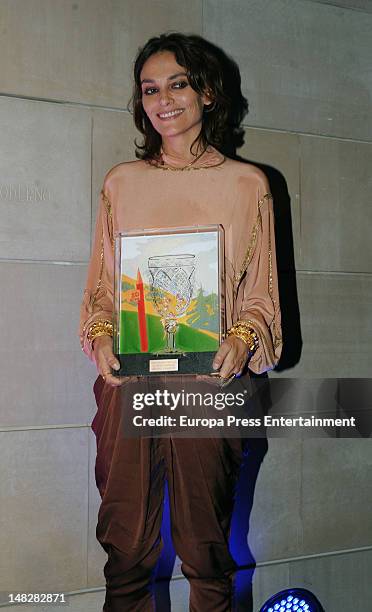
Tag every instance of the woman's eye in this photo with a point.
(147, 92)
(182, 84)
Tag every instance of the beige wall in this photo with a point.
(65, 71)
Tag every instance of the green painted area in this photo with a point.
(204, 313)
(188, 339)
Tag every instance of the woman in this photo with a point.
(181, 179)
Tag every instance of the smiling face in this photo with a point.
(168, 99)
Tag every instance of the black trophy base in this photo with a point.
(148, 364)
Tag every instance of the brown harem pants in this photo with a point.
(130, 475)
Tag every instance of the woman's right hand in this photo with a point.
(105, 360)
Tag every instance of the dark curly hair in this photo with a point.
(205, 66)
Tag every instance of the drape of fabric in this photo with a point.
(130, 475)
(136, 195)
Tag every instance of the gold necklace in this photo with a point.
(188, 166)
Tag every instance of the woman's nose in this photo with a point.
(165, 98)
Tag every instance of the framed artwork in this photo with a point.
(168, 299)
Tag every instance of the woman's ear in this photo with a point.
(208, 98)
(209, 102)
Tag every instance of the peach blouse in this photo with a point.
(218, 190)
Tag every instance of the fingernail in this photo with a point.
(116, 366)
(215, 365)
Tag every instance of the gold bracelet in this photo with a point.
(245, 332)
(101, 327)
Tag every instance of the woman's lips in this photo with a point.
(170, 114)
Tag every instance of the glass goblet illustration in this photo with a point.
(172, 284)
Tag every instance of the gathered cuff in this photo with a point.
(269, 349)
(94, 327)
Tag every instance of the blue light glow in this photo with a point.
(293, 600)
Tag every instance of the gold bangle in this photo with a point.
(101, 327)
(245, 332)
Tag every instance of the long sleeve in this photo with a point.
(259, 295)
(97, 301)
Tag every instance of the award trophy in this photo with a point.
(172, 284)
(168, 300)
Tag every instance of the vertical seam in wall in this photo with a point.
(202, 17)
(300, 168)
(338, 409)
(301, 543)
(91, 182)
(88, 514)
(90, 251)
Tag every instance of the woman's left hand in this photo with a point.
(231, 357)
